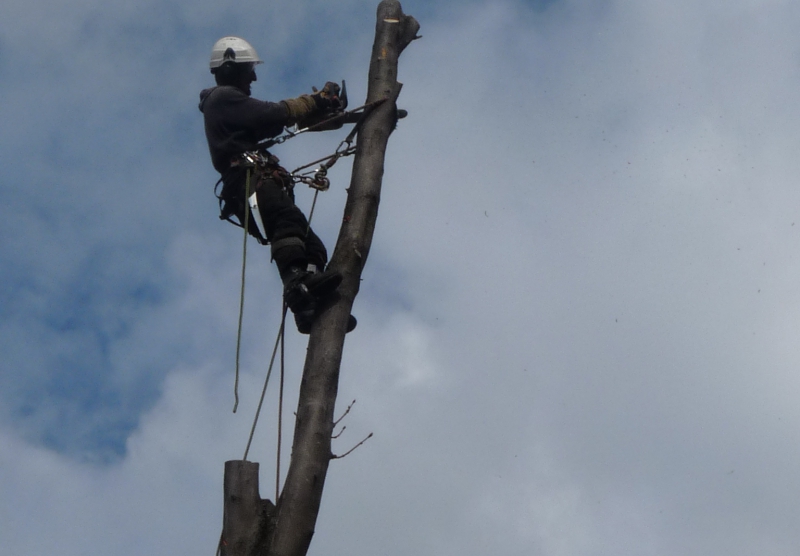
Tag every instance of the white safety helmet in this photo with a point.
(233, 49)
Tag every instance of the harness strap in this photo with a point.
(293, 241)
(233, 206)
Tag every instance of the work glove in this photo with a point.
(309, 110)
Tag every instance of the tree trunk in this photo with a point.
(252, 526)
(300, 500)
(247, 520)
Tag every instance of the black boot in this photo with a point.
(304, 320)
(302, 288)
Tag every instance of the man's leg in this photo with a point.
(315, 250)
(298, 253)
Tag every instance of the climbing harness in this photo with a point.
(261, 165)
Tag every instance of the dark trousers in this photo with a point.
(281, 217)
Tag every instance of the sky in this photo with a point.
(579, 320)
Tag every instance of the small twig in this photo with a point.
(335, 436)
(346, 411)
(350, 451)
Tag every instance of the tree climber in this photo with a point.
(234, 124)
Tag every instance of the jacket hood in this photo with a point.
(204, 95)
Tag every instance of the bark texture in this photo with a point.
(299, 503)
(247, 520)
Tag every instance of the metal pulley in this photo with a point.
(320, 181)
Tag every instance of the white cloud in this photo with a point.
(576, 324)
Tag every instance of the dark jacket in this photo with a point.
(236, 122)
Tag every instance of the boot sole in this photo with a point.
(325, 286)
(304, 327)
